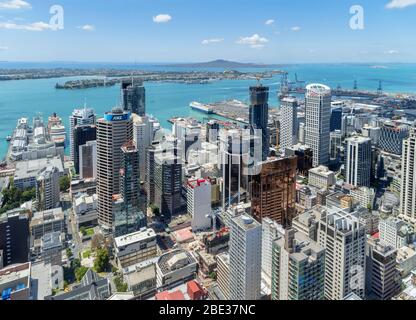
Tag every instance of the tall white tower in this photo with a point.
(408, 191)
(83, 116)
(245, 259)
(359, 161)
(318, 120)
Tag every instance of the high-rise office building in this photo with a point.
(47, 188)
(343, 236)
(259, 115)
(223, 278)
(82, 134)
(113, 131)
(408, 186)
(273, 190)
(212, 131)
(150, 172)
(88, 160)
(143, 138)
(336, 119)
(85, 116)
(235, 154)
(271, 231)
(358, 164)
(392, 136)
(288, 122)
(298, 270)
(245, 259)
(318, 114)
(199, 203)
(382, 277)
(14, 238)
(133, 96)
(128, 217)
(168, 184)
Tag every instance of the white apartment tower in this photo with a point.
(344, 238)
(83, 116)
(245, 259)
(358, 161)
(288, 123)
(199, 203)
(318, 116)
(408, 188)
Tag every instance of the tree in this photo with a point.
(69, 253)
(97, 242)
(102, 260)
(213, 276)
(80, 273)
(64, 183)
(83, 231)
(121, 286)
(155, 210)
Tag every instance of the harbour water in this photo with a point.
(27, 98)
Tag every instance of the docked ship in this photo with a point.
(201, 107)
(56, 130)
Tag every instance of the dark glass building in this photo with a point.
(82, 135)
(133, 96)
(259, 115)
(336, 119)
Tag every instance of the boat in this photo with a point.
(201, 107)
(9, 138)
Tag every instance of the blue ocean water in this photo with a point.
(166, 100)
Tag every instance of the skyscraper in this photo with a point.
(83, 116)
(344, 238)
(298, 269)
(113, 131)
(259, 115)
(88, 160)
(127, 215)
(408, 188)
(245, 259)
(133, 96)
(273, 190)
(318, 114)
(288, 122)
(143, 137)
(336, 119)
(358, 164)
(382, 277)
(168, 184)
(392, 136)
(47, 188)
(82, 134)
(199, 203)
(234, 153)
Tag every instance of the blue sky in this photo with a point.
(263, 31)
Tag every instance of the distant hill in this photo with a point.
(224, 64)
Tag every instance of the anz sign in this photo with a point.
(117, 117)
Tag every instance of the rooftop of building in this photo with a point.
(246, 222)
(15, 273)
(322, 170)
(51, 240)
(135, 237)
(31, 168)
(47, 216)
(175, 260)
(319, 89)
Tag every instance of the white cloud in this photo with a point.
(393, 52)
(162, 18)
(295, 29)
(269, 22)
(15, 5)
(255, 41)
(36, 26)
(87, 27)
(400, 4)
(215, 40)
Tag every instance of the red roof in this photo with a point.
(194, 286)
(174, 296)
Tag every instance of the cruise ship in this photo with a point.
(201, 107)
(56, 130)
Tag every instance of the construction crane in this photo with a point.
(380, 88)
